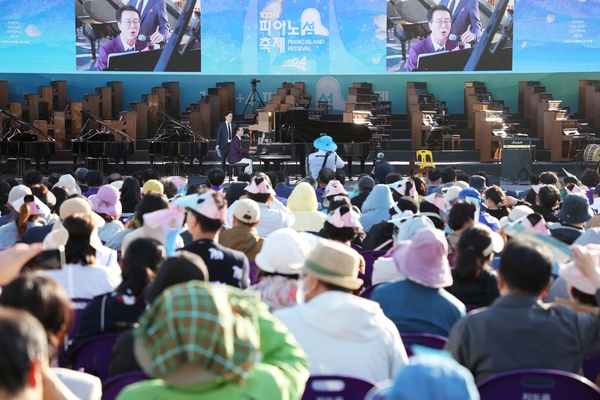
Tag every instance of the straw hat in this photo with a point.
(334, 263)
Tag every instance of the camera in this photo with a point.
(254, 81)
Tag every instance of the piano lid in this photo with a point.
(177, 123)
(13, 118)
(105, 127)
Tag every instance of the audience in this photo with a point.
(365, 186)
(229, 347)
(24, 371)
(474, 281)
(376, 207)
(243, 236)
(26, 211)
(182, 267)
(303, 205)
(381, 235)
(205, 215)
(419, 304)
(573, 215)
(336, 328)
(282, 189)
(215, 179)
(273, 214)
(118, 310)
(95, 179)
(50, 304)
(130, 195)
(279, 262)
(309, 282)
(82, 276)
(462, 216)
(81, 180)
(108, 206)
(518, 331)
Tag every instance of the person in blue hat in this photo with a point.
(484, 217)
(324, 157)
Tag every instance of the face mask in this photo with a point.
(300, 295)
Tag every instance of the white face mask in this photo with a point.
(300, 294)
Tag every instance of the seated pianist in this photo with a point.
(237, 154)
(440, 23)
(128, 21)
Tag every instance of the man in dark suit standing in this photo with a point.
(153, 14)
(440, 24)
(128, 22)
(225, 133)
(466, 23)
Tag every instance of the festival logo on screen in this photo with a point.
(328, 89)
(293, 40)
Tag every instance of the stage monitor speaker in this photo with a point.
(516, 159)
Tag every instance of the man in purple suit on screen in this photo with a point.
(154, 23)
(128, 21)
(440, 23)
(466, 23)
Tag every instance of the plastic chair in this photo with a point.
(77, 305)
(471, 307)
(425, 159)
(336, 387)
(92, 355)
(370, 256)
(537, 384)
(422, 339)
(113, 386)
(252, 272)
(356, 247)
(368, 292)
(591, 368)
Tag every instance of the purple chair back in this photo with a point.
(252, 272)
(471, 307)
(113, 386)
(591, 368)
(92, 355)
(422, 339)
(77, 306)
(336, 387)
(356, 247)
(370, 256)
(537, 384)
(368, 292)
(451, 259)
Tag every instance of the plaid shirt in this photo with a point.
(213, 327)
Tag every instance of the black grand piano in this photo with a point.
(297, 134)
(97, 146)
(178, 142)
(22, 141)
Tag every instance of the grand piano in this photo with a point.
(101, 144)
(23, 141)
(178, 142)
(297, 133)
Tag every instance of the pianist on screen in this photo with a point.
(128, 21)
(440, 24)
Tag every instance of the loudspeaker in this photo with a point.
(516, 164)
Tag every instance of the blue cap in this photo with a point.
(434, 377)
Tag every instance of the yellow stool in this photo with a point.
(424, 159)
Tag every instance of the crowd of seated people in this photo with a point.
(247, 289)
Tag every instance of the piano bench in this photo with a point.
(232, 169)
